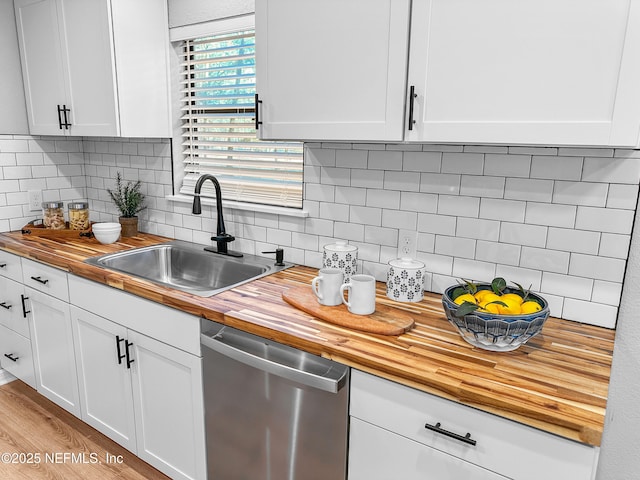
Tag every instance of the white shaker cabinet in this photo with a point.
(530, 72)
(95, 67)
(331, 70)
(397, 429)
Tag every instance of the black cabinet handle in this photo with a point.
(120, 354)
(3, 265)
(59, 117)
(66, 123)
(436, 428)
(4, 305)
(412, 97)
(257, 102)
(11, 357)
(24, 306)
(129, 359)
(41, 280)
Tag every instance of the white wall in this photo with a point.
(188, 12)
(14, 114)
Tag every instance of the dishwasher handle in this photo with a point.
(331, 385)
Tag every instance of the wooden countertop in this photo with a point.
(557, 382)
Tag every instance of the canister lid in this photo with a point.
(78, 205)
(406, 262)
(340, 246)
(56, 204)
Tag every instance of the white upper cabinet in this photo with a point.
(543, 72)
(534, 71)
(88, 71)
(331, 70)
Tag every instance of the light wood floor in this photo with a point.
(31, 426)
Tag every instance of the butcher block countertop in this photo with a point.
(556, 382)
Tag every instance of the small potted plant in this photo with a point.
(130, 201)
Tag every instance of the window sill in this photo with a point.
(248, 207)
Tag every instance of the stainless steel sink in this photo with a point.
(188, 267)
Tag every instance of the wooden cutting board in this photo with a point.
(386, 320)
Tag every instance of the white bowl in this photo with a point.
(107, 232)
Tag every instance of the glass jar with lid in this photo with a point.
(53, 215)
(79, 216)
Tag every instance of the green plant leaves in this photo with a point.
(127, 197)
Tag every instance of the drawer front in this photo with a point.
(12, 308)
(377, 454)
(15, 356)
(10, 266)
(45, 279)
(503, 446)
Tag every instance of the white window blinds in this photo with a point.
(218, 126)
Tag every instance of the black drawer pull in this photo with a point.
(41, 280)
(24, 306)
(4, 305)
(130, 360)
(436, 428)
(3, 265)
(11, 357)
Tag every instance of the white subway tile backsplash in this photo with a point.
(522, 234)
(556, 219)
(622, 196)
(528, 189)
(545, 260)
(580, 193)
(590, 312)
(569, 240)
(507, 165)
(566, 286)
(556, 168)
(468, 163)
(478, 228)
(458, 206)
(498, 209)
(422, 162)
(455, 246)
(608, 220)
(553, 215)
(602, 268)
(482, 186)
(614, 245)
(440, 183)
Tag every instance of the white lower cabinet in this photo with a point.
(389, 440)
(53, 353)
(15, 355)
(141, 392)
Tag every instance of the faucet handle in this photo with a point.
(279, 256)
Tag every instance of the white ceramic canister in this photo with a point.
(343, 256)
(405, 280)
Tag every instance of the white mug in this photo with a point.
(361, 293)
(327, 285)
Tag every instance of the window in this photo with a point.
(218, 126)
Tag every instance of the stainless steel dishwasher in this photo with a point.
(272, 412)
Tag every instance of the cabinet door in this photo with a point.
(332, 70)
(169, 412)
(378, 454)
(11, 311)
(41, 55)
(52, 345)
(534, 72)
(89, 66)
(103, 378)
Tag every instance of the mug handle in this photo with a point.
(344, 287)
(315, 287)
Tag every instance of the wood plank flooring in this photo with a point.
(39, 440)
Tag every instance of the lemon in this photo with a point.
(480, 294)
(513, 296)
(490, 307)
(465, 297)
(512, 306)
(530, 307)
(490, 297)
